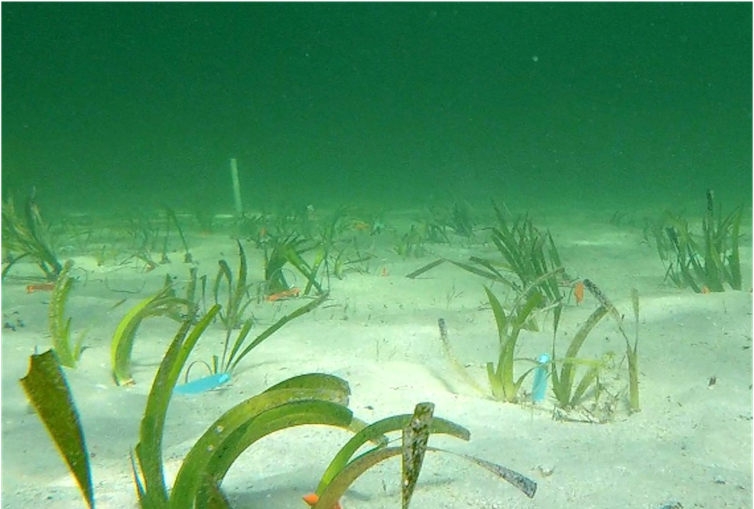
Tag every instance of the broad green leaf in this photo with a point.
(375, 432)
(346, 476)
(288, 415)
(191, 474)
(123, 338)
(149, 448)
(48, 392)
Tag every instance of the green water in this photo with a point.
(607, 106)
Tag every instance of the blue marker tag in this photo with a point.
(204, 384)
(539, 388)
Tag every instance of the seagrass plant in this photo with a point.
(305, 399)
(706, 262)
(530, 254)
(504, 384)
(222, 367)
(412, 243)
(237, 291)
(290, 250)
(25, 235)
(308, 399)
(415, 429)
(458, 218)
(68, 351)
(187, 257)
(569, 391)
(527, 253)
(163, 303)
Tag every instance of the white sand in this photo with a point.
(691, 443)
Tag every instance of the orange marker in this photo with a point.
(313, 498)
(40, 287)
(578, 292)
(705, 289)
(293, 292)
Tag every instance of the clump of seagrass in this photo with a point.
(237, 292)
(527, 253)
(704, 262)
(570, 391)
(504, 384)
(26, 235)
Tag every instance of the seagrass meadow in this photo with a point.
(376, 255)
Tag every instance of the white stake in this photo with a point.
(236, 186)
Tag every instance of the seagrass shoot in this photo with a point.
(707, 261)
(221, 368)
(25, 235)
(504, 384)
(525, 253)
(67, 350)
(163, 303)
(290, 250)
(232, 292)
(571, 390)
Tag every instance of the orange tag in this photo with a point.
(293, 292)
(313, 498)
(578, 292)
(40, 287)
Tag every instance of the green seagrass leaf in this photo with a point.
(46, 387)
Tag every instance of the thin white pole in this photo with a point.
(236, 186)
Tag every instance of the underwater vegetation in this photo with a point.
(529, 260)
(704, 261)
(524, 280)
(167, 303)
(458, 218)
(25, 235)
(222, 366)
(289, 250)
(502, 382)
(187, 257)
(569, 391)
(336, 244)
(163, 303)
(531, 269)
(412, 243)
(305, 399)
(238, 298)
(439, 226)
(68, 351)
(531, 255)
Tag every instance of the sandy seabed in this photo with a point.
(691, 444)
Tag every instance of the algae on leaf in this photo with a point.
(415, 438)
